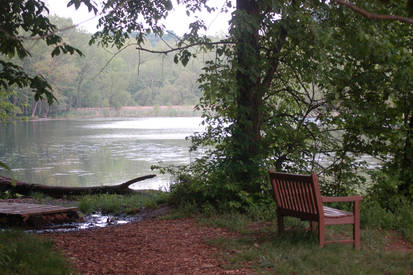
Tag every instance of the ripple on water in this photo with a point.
(15, 169)
(39, 169)
(142, 137)
(178, 123)
(96, 220)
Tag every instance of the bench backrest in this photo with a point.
(297, 193)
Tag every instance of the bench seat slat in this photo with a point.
(330, 212)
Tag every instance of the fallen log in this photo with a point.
(25, 188)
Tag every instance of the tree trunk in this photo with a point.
(35, 108)
(246, 131)
(79, 85)
(59, 191)
(45, 109)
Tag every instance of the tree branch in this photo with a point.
(113, 57)
(373, 16)
(269, 75)
(171, 49)
(185, 47)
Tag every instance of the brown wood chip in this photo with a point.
(146, 247)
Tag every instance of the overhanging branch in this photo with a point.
(113, 57)
(170, 50)
(222, 42)
(374, 16)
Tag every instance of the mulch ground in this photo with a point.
(155, 246)
(151, 246)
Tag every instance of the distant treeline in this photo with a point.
(104, 77)
(134, 111)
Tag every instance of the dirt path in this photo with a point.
(148, 247)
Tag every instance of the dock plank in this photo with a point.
(21, 213)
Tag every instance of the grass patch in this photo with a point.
(22, 253)
(119, 204)
(259, 246)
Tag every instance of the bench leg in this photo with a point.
(356, 236)
(321, 234)
(356, 226)
(280, 223)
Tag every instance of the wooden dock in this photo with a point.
(35, 215)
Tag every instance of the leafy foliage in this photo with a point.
(20, 21)
(208, 185)
(323, 96)
(369, 86)
(125, 17)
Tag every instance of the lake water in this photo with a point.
(93, 152)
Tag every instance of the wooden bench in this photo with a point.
(299, 196)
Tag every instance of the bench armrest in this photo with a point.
(341, 199)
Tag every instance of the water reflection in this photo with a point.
(92, 221)
(95, 152)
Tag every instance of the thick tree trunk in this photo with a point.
(59, 191)
(253, 80)
(247, 76)
(246, 131)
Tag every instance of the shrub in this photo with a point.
(384, 207)
(206, 186)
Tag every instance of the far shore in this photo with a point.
(137, 108)
(125, 111)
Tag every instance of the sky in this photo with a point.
(177, 20)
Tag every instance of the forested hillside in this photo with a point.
(104, 77)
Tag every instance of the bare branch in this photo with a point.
(113, 57)
(166, 43)
(376, 16)
(139, 48)
(222, 42)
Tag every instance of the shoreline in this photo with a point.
(125, 111)
(133, 111)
